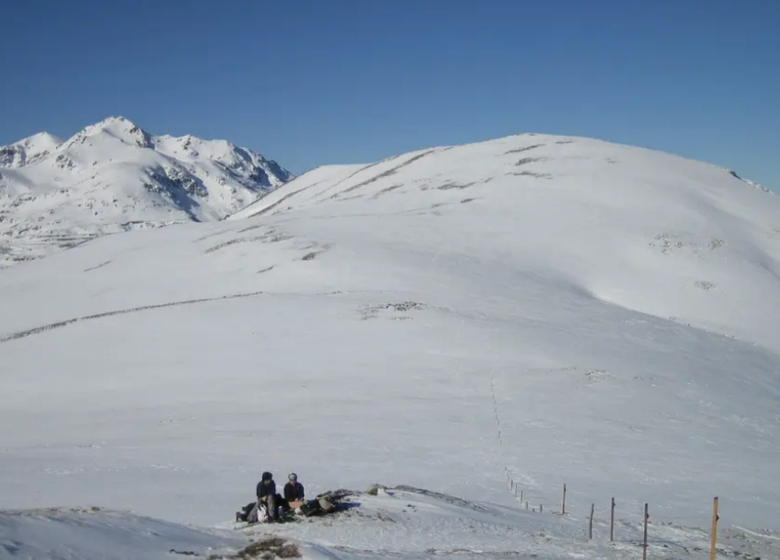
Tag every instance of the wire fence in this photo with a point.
(603, 521)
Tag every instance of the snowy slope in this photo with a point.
(412, 524)
(114, 176)
(636, 228)
(405, 523)
(28, 151)
(96, 534)
(520, 313)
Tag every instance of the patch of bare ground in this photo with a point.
(314, 250)
(532, 174)
(271, 236)
(524, 149)
(527, 160)
(266, 549)
(250, 228)
(387, 190)
(452, 185)
(372, 311)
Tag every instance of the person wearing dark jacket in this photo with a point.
(293, 490)
(266, 494)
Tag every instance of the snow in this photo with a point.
(27, 151)
(602, 316)
(112, 177)
(405, 523)
(95, 534)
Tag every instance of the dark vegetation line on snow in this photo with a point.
(101, 265)
(277, 203)
(348, 177)
(387, 173)
(267, 208)
(60, 324)
(66, 322)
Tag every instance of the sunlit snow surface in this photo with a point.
(403, 524)
(453, 319)
(114, 176)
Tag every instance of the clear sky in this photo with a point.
(312, 82)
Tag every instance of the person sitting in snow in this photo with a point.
(293, 491)
(266, 494)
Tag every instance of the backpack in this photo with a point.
(326, 505)
(312, 507)
(258, 514)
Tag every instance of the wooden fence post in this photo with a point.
(590, 526)
(612, 521)
(521, 497)
(541, 508)
(644, 543)
(526, 505)
(715, 519)
(563, 505)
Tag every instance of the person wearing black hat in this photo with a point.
(266, 494)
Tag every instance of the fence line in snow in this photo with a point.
(521, 496)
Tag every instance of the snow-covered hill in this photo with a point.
(114, 176)
(92, 533)
(404, 523)
(479, 320)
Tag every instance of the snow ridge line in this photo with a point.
(65, 323)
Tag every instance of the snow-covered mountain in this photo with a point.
(491, 321)
(29, 150)
(114, 176)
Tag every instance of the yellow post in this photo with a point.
(715, 519)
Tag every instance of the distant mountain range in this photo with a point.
(114, 176)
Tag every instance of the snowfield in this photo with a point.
(96, 534)
(114, 176)
(514, 314)
(405, 523)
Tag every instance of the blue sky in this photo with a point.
(312, 82)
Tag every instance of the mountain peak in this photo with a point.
(28, 150)
(118, 127)
(112, 176)
(41, 139)
(111, 121)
